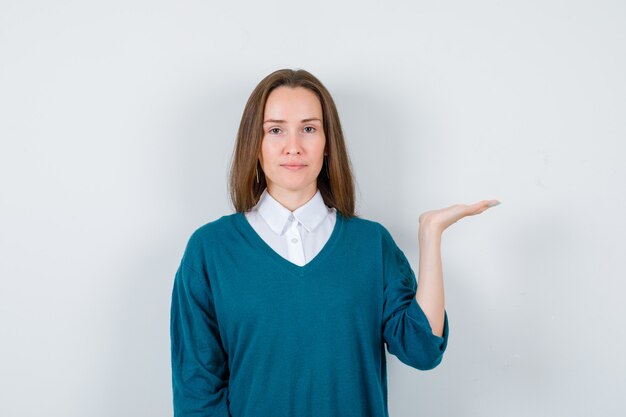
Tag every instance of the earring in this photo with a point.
(257, 174)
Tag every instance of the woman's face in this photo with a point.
(292, 149)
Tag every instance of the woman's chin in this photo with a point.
(293, 185)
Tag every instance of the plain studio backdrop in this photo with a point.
(118, 120)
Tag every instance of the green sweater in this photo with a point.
(255, 335)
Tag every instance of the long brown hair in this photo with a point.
(337, 188)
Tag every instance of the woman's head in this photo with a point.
(293, 143)
(276, 129)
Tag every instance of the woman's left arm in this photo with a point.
(430, 293)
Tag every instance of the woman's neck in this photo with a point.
(292, 199)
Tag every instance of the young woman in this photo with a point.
(284, 307)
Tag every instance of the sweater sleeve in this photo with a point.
(406, 329)
(199, 362)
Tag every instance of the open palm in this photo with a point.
(442, 218)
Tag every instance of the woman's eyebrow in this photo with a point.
(284, 121)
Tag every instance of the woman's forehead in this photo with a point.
(292, 104)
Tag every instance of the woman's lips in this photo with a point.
(293, 167)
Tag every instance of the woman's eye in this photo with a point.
(273, 129)
(310, 127)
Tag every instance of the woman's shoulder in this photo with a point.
(367, 226)
(209, 233)
(217, 225)
(214, 229)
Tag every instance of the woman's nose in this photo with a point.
(293, 143)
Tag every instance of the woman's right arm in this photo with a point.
(199, 362)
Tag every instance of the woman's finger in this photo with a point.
(481, 206)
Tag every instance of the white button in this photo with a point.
(291, 218)
(294, 240)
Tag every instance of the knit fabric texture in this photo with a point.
(255, 335)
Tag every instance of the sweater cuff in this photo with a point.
(416, 313)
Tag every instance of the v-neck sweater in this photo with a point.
(255, 335)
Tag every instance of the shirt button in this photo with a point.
(291, 218)
(294, 240)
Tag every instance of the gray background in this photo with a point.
(117, 122)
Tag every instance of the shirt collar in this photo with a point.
(310, 214)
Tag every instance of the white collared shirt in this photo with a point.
(297, 236)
